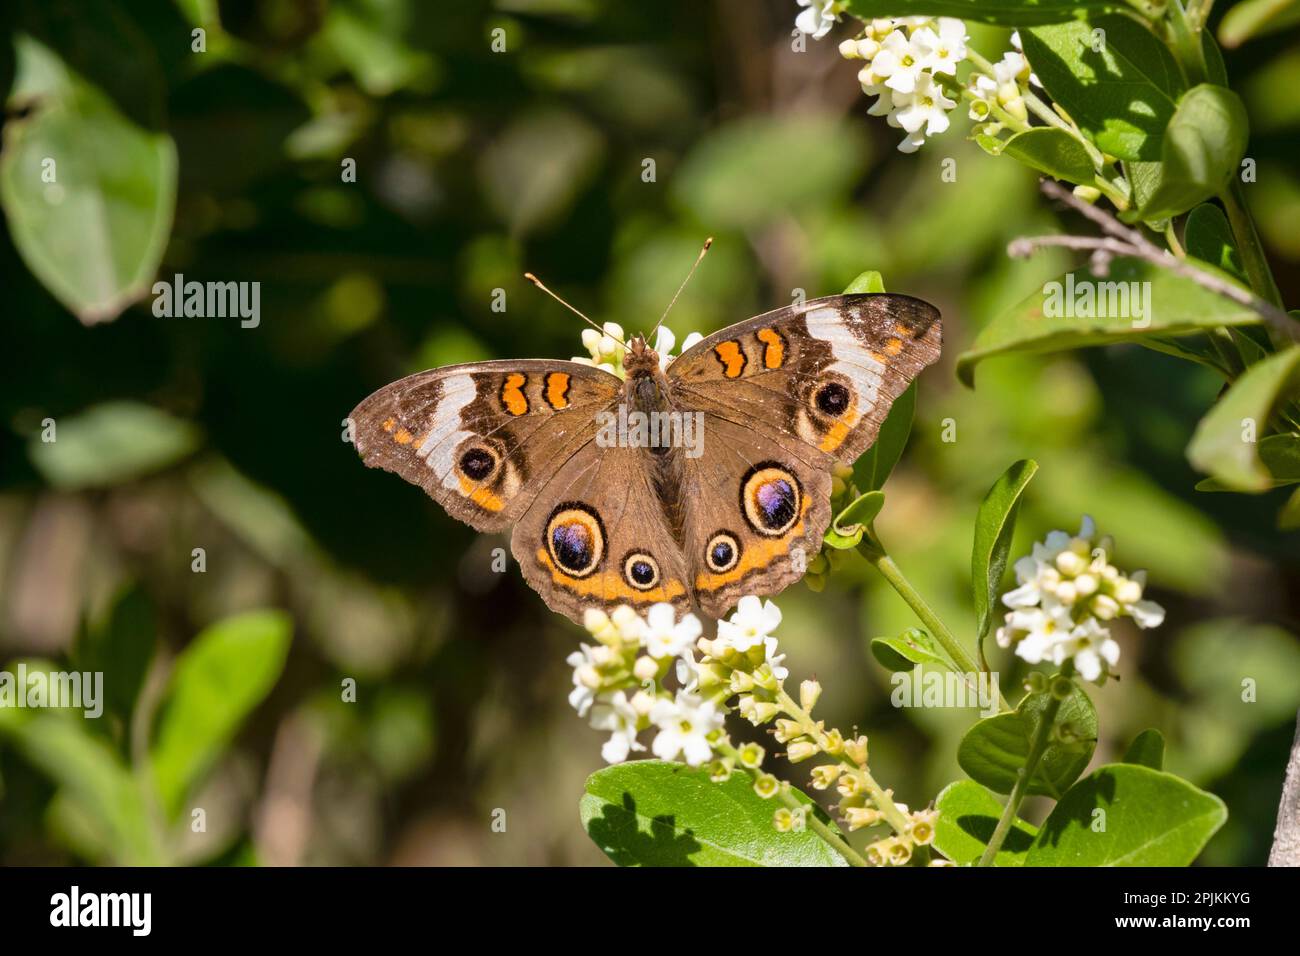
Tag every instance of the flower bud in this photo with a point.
(588, 677)
(856, 750)
(1128, 591)
(868, 48)
(642, 702)
(787, 730)
(741, 682)
(802, 750)
(783, 820)
(859, 817)
(849, 49)
(834, 743)
(826, 775)
(809, 691)
(1070, 563)
(645, 668)
(1105, 607)
(720, 771)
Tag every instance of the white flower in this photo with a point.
(899, 62)
(585, 679)
(1038, 573)
(925, 109)
(818, 19)
(684, 725)
(664, 341)
(1090, 645)
(613, 712)
(751, 624)
(665, 636)
(691, 341)
(773, 659)
(947, 48)
(1035, 631)
(984, 89)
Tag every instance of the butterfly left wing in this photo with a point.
(784, 397)
(482, 438)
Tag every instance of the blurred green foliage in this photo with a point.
(472, 166)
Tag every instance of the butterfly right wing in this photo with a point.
(483, 438)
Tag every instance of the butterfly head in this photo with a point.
(640, 360)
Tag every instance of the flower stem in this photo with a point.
(828, 834)
(958, 655)
(1252, 250)
(883, 801)
(1025, 774)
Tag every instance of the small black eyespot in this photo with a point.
(641, 570)
(477, 463)
(832, 398)
(722, 553)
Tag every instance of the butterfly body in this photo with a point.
(692, 484)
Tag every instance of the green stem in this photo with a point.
(883, 801)
(791, 802)
(1252, 250)
(1026, 773)
(961, 659)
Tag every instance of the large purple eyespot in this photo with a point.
(575, 539)
(770, 497)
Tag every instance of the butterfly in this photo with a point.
(601, 517)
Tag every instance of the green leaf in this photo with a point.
(1081, 309)
(95, 235)
(111, 444)
(1119, 85)
(994, 526)
(1053, 151)
(1208, 237)
(1147, 749)
(121, 647)
(996, 747)
(1252, 18)
(1225, 444)
(1203, 145)
(850, 524)
(870, 281)
(1280, 456)
(968, 814)
(650, 813)
(217, 681)
(902, 653)
(1004, 12)
(90, 777)
(1150, 818)
(874, 467)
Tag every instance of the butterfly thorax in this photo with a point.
(646, 390)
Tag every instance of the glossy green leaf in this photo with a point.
(1053, 151)
(873, 469)
(869, 281)
(650, 813)
(217, 681)
(1203, 145)
(1280, 456)
(902, 653)
(995, 748)
(994, 526)
(850, 524)
(1147, 749)
(111, 444)
(1115, 78)
(1128, 815)
(968, 815)
(1226, 442)
(93, 236)
(1004, 12)
(1208, 236)
(1081, 309)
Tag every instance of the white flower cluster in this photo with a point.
(1068, 593)
(904, 58)
(606, 351)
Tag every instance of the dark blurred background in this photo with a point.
(473, 166)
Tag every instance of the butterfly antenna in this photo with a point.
(538, 282)
(698, 259)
